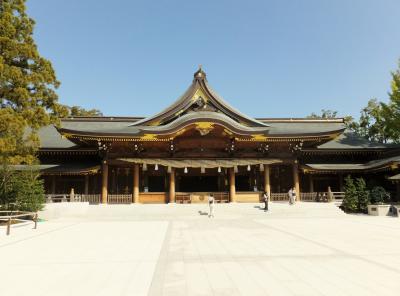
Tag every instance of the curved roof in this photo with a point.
(199, 89)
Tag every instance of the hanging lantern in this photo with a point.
(202, 170)
(248, 167)
(156, 167)
(219, 169)
(261, 167)
(144, 167)
(185, 170)
(169, 170)
(235, 169)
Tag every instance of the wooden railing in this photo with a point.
(10, 216)
(182, 197)
(221, 197)
(91, 198)
(279, 196)
(310, 196)
(186, 197)
(119, 198)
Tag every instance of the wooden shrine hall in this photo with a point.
(201, 145)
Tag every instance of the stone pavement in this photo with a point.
(306, 249)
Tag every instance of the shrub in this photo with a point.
(362, 195)
(21, 190)
(349, 202)
(379, 195)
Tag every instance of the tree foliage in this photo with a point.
(27, 85)
(379, 195)
(380, 121)
(349, 202)
(362, 195)
(21, 190)
(79, 111)
(372, 124)
(325, 114)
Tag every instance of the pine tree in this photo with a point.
(349, 202)
(27, 85)
(362, 195)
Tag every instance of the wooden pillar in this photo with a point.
(104, 188)
(172, 186)
(86, 184)
(311, 180)
(136, 183)
(296, 183)
(232, 186)
(341, 187)
(267, 185)
(53, 184)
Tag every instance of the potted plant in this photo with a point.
(378, 206)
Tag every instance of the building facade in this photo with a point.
(201, 145)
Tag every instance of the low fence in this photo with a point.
(119, 198)
(10, 216)
(189, 197)
(91, 198)
(310, 196)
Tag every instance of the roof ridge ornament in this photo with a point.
(200, 74)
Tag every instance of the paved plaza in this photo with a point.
(305, 249)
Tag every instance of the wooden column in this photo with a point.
(86, 184)
(296, 183)
(232, 186)
(311, 180)
(53, 184)
(136, 183)
(172, 186)
(267, 185)
(341, 187)
(104, 188)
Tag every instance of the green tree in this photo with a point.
(21, 190)
(27, 85)
(325, 114)
(372, 124)
(29, 191)
(349, 202)
(79, 111)
(391, 110)
(362, 195)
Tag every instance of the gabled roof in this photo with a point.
(199, 97)
(199, 106)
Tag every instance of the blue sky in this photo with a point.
(281, 58)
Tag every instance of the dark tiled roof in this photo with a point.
(349, 140)
(370, 165)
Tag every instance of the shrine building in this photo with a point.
(201, 145)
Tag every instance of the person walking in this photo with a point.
(211, 205)
(266, 200)
(290, 194)
(294, 195)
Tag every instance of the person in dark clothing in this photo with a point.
(266, 200)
